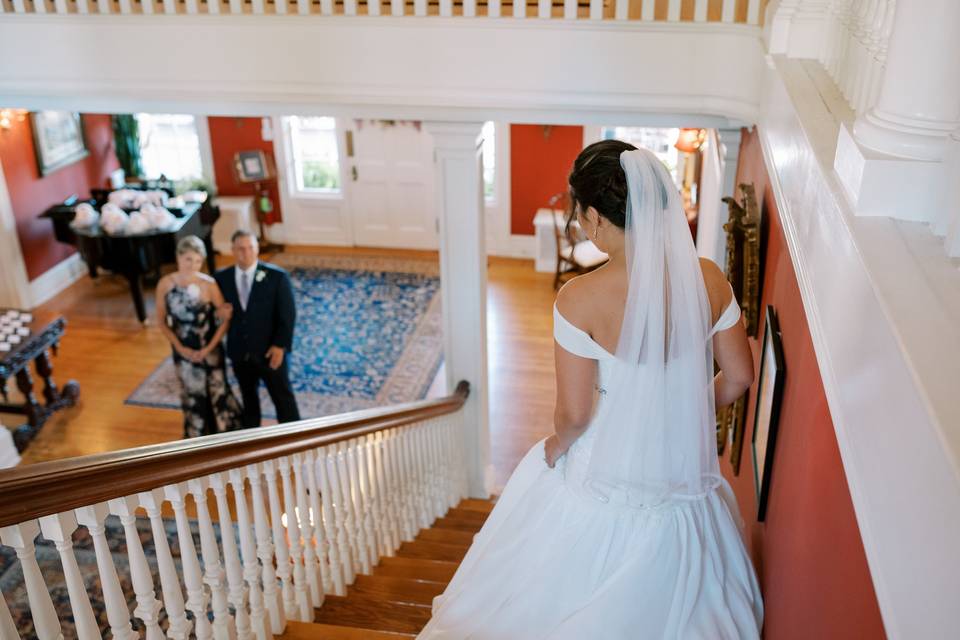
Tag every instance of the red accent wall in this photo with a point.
(31, 194)
(229, 135)
(540, 161)
(808, 552)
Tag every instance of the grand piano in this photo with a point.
(140, 256)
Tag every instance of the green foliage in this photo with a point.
(320, 175)
(126, 138)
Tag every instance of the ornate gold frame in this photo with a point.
(743, 271)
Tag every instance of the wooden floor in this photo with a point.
(109, 353)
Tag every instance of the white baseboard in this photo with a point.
(515, 246)
(56, 280)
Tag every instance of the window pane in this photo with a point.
(658, 140)
(314, 145)
(489, 160)
(169, 145)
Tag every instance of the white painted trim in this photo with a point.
(889, 372)
(56, 279)
(8, 451)
(206, 149)
(395, 57)
(14, 283)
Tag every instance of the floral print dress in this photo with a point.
(209, 405)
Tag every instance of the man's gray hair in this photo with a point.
(192, 243)
(242, 233)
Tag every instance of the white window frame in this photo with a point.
(205, 148)
(290, 168)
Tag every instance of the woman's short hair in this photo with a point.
(192, 243)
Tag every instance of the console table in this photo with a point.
(24, 339)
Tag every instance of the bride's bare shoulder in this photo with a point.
(574, 297)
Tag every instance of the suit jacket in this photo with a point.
(269, 317)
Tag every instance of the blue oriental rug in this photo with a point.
(368, 333)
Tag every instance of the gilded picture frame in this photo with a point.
(58, 139)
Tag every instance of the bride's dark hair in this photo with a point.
(597, 180)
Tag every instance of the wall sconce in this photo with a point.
(690, 140)
(9, 116)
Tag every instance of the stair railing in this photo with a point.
(265, 521)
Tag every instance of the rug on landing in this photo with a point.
(368, 333)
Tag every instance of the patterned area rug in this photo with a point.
(368, 333)
(14, 590)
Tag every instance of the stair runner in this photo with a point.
(394, 602)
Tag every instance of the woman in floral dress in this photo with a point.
(193, 316)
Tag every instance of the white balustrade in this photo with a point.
(335, 512)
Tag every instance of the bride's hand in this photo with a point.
(553, 450)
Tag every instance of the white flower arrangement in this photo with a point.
(261, 274)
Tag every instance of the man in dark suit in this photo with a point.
(261, 329)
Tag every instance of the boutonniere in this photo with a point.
(260, 275)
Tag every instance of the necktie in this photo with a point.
(244, 290)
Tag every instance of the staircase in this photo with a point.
(394, 602)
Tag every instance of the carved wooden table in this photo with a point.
(22, 340)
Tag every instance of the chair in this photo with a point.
(574, 256)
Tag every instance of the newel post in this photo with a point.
(463, 282)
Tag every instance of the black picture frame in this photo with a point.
(58, 139)
(767, 408)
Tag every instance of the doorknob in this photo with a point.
(353, 173)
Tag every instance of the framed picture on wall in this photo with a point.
(57, 139)
(767, 414)
(253, 166)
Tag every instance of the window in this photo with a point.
(489, 161)
(313, 146)
(658, 140)
(169, 145)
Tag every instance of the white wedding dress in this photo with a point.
(554, 562)
(634, 534)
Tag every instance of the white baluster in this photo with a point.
(21, 536)
(438, 470)
(570, 9)
(728, 12)
(82, 7)
(329, 523)
(544, 8)
(356, 493)
(396, 7)
(295, 538)
(213, 573)
(170, 7)
(621, 9)
(405, 468)
(8, 630)
(423, 479)
(519, 8)
(280, 7)
(365, 493)
(646, 10)
(387, 492)
(115, 603)
(148, 606)
(248, 553)
(179, 627)
(126, 7)
(303, 7)
(265, 550)
(700, 11)
(469, 8)
(596, 9)
(197, 599)
(60, 6)
(236, 7)
(40, 6)
(493, 8)
(376, 496)
(396, 486)
(446, 8)
(257, 6)
(59, 528)
(419, 7)
(673, 11)
(306, 519)
(450, 454)
(236, 588)
(753, 12)
(213, 6)
(280, 543)
(373, 7)
(383, 493)
(340, 514)
(146, 6)
(319, 532)
(104, 7)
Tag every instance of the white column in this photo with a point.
(890, 164)
(919, 103)
(14, 284)
(463, 282)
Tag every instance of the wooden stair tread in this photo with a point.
(448, 536)
(466, 515)
(473, 504)
(367, 612)
(394, 589)
(316, 631)
(448, 522)
(433, 550)
(416, 568)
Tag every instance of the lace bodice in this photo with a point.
(579, 343)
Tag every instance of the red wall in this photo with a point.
(808, 552)
(31, 194)
(229, 135)
(539, 166)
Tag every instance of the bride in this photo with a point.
(620, 525)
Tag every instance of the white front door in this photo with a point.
(390, 179)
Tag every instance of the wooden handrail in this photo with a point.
(59, 485)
